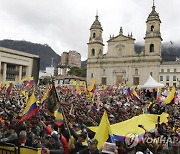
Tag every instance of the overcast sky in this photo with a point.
(64, 24)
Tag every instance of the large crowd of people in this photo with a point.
(81, 112)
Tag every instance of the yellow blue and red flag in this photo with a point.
(30, 109)
(59, 120)
(9, 87)
(135, 97)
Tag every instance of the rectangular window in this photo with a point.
(151, 73)
(162, 70)
(167, 84)
(175, 70)
(161, 78)
(92, 75)
(168, 70)
(10, 72)
(167, 78)
(174, 84)
(174, 78)
(10, 77)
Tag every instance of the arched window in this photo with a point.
(151, 48)
(93, 52)
(94, 35)
(100, 52)
(152, 28)
(136, 71)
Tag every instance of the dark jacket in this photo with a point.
(86, 151)
(78, 147)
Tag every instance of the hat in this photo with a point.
(111, 116)
(93, 141)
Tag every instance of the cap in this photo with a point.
(93, 141)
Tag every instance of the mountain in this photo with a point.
(45, 52)
(84, 64)
(170, 51)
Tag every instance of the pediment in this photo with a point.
(120, 38)
(120, 71)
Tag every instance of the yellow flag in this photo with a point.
(103, 131)
(73, 82)
(170, 97)
(82, 83)
(91, 86)
(78, 89)
(27, 79)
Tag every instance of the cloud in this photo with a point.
(64, 24)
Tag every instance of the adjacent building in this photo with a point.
(16, 65)
(170, 73)
(121, 63)
(70, 59)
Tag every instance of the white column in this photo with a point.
(4, 72)
(20, 74)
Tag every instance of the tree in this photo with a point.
(77, 71)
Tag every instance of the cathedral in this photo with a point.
(121, 63)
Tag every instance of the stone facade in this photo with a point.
(121, 63)
(16, 65)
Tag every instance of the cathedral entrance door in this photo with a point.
(119, 79)
(136, 81)
(103, 81)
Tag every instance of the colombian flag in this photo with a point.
(135, 97)
(129, 92)
(59, 120)
(9, 87)
(30, 109)
(28, 82)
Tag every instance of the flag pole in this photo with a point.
(57, 96)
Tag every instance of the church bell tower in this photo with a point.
(95, 44)
(153, 35)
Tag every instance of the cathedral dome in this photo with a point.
(96, 24)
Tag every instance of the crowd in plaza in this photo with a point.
(80, 112)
